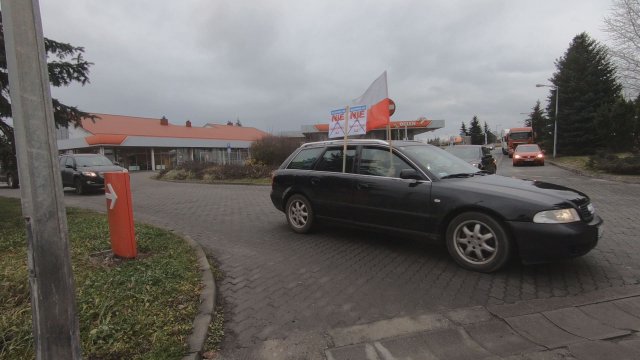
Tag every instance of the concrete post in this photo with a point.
(153, 160)
(55, 322)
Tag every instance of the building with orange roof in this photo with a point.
(139, 143)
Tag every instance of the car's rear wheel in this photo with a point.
(79, 187)
(478, 242)
(300, 215)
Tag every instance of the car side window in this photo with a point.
(381, 162)
(332, 160)
(305, 159)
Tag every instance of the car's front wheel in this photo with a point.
(300, 215)
(478, 242)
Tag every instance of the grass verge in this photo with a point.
(580, 163)
(135, 309)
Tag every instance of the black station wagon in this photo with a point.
(413, 188)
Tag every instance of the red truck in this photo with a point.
(517, 136)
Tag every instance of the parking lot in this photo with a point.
(280, 287)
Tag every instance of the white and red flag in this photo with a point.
(376, 99)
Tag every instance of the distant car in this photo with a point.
(85, 172)
(9, 174)
(411, 188)
(528, 154)
(476, 155)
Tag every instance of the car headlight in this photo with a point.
(89, 173)
(540, 156)
(516, 156)
(560, 216)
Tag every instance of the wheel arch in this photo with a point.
(287, 194)
(444, 224)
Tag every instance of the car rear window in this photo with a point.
(305, 159)
(332, 160)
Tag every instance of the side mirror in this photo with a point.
(410, 174)
(116, 163)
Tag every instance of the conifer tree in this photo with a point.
(463, 130)
(542, 131)
(475, 131)
(66, 65)
(588, 87)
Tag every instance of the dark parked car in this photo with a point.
(85, 172)
(476, 155)
(9, 175)
(413, 188)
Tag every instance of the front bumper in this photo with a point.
(545, 242)
(93, 182)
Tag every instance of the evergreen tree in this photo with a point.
(588, 87)
(463, 130)
(491, 137)
(66, 66)
(616, 124)
(475, 131)
(542, 131)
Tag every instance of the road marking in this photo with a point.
(111, 195)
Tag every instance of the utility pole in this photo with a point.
(54, 318)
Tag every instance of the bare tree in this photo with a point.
(623, 27)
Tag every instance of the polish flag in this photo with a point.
(376, 98)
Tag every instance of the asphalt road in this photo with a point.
(284, 290)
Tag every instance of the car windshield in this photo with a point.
(467, 153)
(520, 135)
(98, 160)
(439, 162)
(527, 148)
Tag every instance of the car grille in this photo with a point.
(586, 212)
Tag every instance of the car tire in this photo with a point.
(478, 242)
(300, 214)
(77, 183)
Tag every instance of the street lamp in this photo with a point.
(555, 122)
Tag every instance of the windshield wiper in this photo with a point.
(483, 173)
(458, 175)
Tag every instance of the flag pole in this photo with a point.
(346, 132)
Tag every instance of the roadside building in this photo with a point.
(138, 143)
(400, 130)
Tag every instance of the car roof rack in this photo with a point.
(349, 141)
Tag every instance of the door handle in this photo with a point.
(315, 181)
(362, 186)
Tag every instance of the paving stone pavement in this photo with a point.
(287, 291)
(592, 326)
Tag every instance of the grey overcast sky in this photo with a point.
(277, 65)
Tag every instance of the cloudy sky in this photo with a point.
(277, 65)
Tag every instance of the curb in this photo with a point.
(207, 304)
